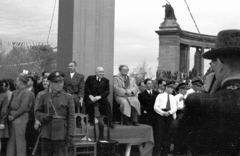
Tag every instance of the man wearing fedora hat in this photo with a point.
(210, 122)
(165, 107)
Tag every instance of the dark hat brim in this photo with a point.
(224, 52)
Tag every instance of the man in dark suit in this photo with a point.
(96, 93)
(147, 99)
(74, 84)
(210, 122)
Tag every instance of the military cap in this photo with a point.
(227, 45)
(33, 79)
(23, 77)
(197, 81)
(183, 86)
(169, 84)
(56, 76)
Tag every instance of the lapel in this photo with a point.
(68, 77)
(75, 77)
(101, 82)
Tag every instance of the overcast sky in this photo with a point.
(135, 23)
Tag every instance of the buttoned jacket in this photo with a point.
(74, 85)
(56, 129)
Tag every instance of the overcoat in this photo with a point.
(211, 122)
(125, 101)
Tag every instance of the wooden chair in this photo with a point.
(106, 147)
(81, 143)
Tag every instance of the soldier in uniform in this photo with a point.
(56, 113)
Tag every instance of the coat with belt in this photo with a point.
(211, 122)
(120, 88)
(56, 128)
(74, 86)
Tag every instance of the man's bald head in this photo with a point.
(100, 72)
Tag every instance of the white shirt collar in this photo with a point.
(72, 74)
(149, 91)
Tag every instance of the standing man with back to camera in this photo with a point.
(74, 84)
(210, 122)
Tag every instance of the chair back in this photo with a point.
(81, 125)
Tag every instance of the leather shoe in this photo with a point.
(111, 125)
(135, 124)
(127, 123)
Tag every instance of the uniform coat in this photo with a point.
(74, 86)
(56, 129)
(125, 101)
(211, 122)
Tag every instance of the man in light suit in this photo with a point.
(126, 90)
(210, 122)
(74, 84)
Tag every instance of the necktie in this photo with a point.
(168, 107)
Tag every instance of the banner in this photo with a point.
(26, 44)
(22, 64)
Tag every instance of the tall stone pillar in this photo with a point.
(86, 35)
(198, 60)
(202, 61)
(184, 58)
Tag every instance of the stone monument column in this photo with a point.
(86, 35)
(198, 60)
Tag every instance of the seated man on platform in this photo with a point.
(74, 84)
(147, 99)
(96, 93)
(126, 90)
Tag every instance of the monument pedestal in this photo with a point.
(169, 24)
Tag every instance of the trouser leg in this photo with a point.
(105, 109)
(47, 147)
(60, 148)
(11, 143)
(90, 110)
(134, 115)
(19, 126)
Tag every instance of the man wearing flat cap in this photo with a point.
(55, 111)
(165, 106)
(210, 122)
(21, 102)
